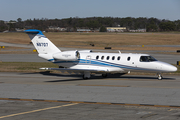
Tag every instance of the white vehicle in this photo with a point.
(87, 62)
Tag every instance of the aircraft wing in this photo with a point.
(74, 70)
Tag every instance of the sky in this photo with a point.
(51, 9)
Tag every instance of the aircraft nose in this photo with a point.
(168, 67)
(173, 68)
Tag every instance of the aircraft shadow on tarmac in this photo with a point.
(78, 77)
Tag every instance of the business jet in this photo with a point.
(87, 62)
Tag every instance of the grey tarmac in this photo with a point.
(132, 89)
(128, 89)
(169, 58)
(34, 110)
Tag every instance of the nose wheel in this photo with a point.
(160, 76)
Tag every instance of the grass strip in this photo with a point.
(24, 66)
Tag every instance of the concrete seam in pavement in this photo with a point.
(88, 102)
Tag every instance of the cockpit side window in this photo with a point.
(147, 59)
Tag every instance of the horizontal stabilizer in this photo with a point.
(33, 31)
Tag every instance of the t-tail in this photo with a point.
(42, 44)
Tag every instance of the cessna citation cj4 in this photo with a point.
(87, 62)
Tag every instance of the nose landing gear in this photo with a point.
(159, 76)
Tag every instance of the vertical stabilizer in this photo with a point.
(42, 44)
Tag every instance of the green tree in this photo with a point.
(167, 26)
(151, 28)
(103, 29)
(19, 20)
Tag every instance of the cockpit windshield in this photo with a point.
(147, 59)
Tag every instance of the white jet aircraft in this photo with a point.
(87, 62)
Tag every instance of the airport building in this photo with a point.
(138, 30)
(84, 30)
(52, 28)
(116, 29)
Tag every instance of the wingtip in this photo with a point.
(44, 68)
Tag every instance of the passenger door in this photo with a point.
(88, 59)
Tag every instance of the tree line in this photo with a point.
(72, 24)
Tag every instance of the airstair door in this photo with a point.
(88, 59)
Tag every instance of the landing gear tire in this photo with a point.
(104, 75)
(86, 75)
(160, 77)
(85, 78)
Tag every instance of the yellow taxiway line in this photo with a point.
(37, 110)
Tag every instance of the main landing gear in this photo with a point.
(104, 75)
(159, 76)
(86, 75)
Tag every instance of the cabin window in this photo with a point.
(97, 57)
(147, 59)
(118, 58)
(102, 57)
(113, 57)
(107, 58)
(128, 59)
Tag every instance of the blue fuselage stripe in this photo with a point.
(100, 63)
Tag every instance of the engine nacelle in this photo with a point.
(67, 55)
